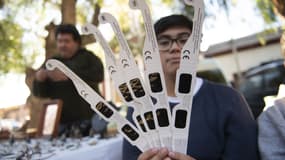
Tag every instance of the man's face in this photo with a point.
(66, 45)
(170, 43)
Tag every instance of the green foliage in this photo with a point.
(21, 42)
(266, 8)
(10, 47)
(168, 2)
(11, 37)
(179, 7)
(85, 10)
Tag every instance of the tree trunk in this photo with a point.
(2, 3)
(68, 11)
(97, 10)
(50, 47)
(280, 6)
(87, 39)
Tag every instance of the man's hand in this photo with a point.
(178, 156)
(163, 154)
(41, 75)
(154, 154)
(57, 75)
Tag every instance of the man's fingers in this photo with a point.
(162, 154)
(148, 154)
(154, 154)
(179, 156)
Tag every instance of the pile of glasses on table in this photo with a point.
(42, 148)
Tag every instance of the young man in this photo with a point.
(222, 126)
(55, 85)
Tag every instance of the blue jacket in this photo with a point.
(222, 127)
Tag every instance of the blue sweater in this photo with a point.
(222, 127)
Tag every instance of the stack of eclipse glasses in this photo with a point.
(154, 127)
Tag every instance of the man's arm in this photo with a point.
(240, 132)
(271, 134)
(40, 84)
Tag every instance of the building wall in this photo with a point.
(247, 59)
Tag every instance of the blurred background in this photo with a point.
(240, 46)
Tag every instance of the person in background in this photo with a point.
(222, 126)
(56, 85)
(271, 125)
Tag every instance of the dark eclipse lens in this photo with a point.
(155, 82)
(162, 117)
(137, 87)
(180, 119)
(149, 120)
(105, 110)
(125, 92)
(139, 119)
(130, 132)
(185, 81)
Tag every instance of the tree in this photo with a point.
(16, 52)
(279, 6)
(276, 7)
(10, 47)
(13, 34)
(266, 8)
(10, 42)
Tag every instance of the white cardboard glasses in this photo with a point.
(157, 128)
(186, 79)
(101, 107)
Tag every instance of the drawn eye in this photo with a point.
(125, 63)
(187, 52)
(112, 69)
(147, 53)
(148, 58)
(186, 57)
